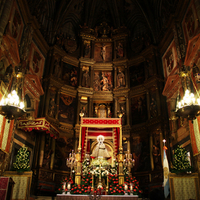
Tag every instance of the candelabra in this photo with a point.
(71, 162)
(128, 161)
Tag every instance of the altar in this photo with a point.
(100, 165)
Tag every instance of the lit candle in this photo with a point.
(131, 187)
(64, 185)
(125, 187)
(69, 186)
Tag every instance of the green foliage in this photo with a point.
(22, 160)
(180, 161)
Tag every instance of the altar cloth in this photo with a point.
(104, 197)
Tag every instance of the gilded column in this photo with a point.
(121, 158)
(115, 114)
(128, 144)
(151, 151)
(53, 148)
(78, 157)
(91, 107)
(76, 145)
(42, 144)
(115, 77)
(78, 109)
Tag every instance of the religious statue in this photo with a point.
(100, 150)
(120, 79)
(104, 81)
(87, 50)
(86, 79)
(103, 51)
(57, 69)
(157, 156)
(84, 111)
(52, 106)
(120, 50)
(153, 108)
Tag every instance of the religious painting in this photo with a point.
(119, 49)
(139, 109)
(87, 49)
(67, 110)
(137, 74)
(36, 65)
(141, 155)
(85, 76)
(70, 75)
(64, 147)
(52, 102)
(190, 23)
(15, 26)
(121, 80)
(102, 81)
(169, 60)
(103, 52)
(153, 103)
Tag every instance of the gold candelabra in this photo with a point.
(71, 162)
(128, 161)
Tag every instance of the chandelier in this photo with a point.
(189, 106)
(12, 104)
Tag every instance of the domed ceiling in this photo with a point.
(144, 18)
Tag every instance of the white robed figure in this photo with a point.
(100, 150)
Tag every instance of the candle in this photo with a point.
(69, 186)
(131, 187)
(125, 187)
(64, 185)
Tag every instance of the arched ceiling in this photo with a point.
(139, 16)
